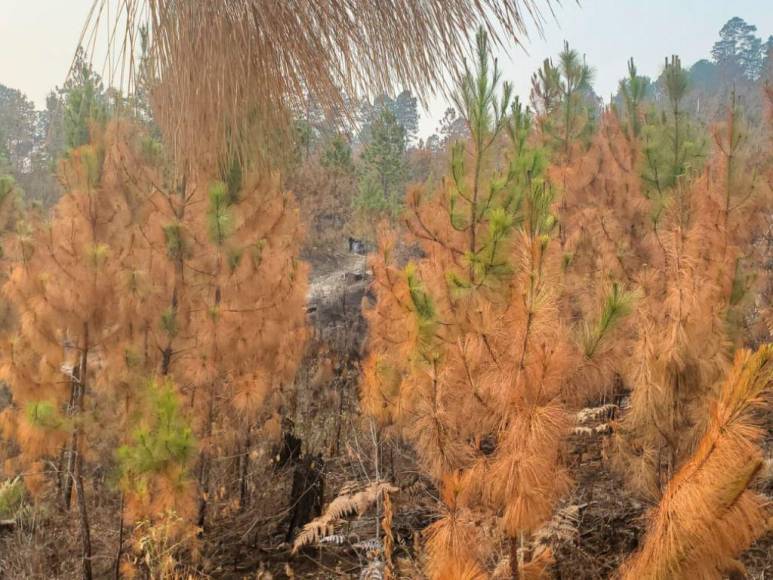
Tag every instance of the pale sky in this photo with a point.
(38, 39)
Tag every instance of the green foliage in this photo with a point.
(219, 218)
(92, 159)
(537, 211)
(424, 308)
(303, 137)
(371, 200)
(162, 438)
(617, 305)
(546, 89)
(383, 167)
(633, 90)
(234, 258)
(422, 301)
(17, 130)
(337, 157)
(169, 321)
(739, 52)
(477, 98)
(174, 238)
(44, 415)
(404, 107)
(563, 96)
(256, 250)
(673, 146)
(11, 497)
(491, 206)
(8, 188)
(233, 177)
(84, 102)
(675, 81)
(152, 149)
(519, 125)
(98, 255)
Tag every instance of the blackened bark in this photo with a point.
(307, 493)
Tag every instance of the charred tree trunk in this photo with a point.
(519, 555)
(307, 492)
(289, 451)
(244, 464)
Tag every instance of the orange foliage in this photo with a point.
(708, 515)
(685, 319)
(474, 366)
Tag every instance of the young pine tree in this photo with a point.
(383, 166)
(68, 326)
(673, 148)
(469, 359)
(689, 314)
(563, 100)
(250, 317)
(708, 515)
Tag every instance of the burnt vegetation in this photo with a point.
(271, 333)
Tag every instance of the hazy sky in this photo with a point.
(38, 38)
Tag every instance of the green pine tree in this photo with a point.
(383, 166)
(673, 146)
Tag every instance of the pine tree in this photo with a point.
(673, 149)
(469, 359)
(708, 514)
(84, 102)
(604, 220)
(155, 476)
(634, 90)
(68, 327)
(563, 99)
(250, 315)
(686, 318)
(383, 165)
(337, 160)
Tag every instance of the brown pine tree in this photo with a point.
(68, 328)
(708, 515)
(469, 359)
(687, 314)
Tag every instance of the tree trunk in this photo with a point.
(514, 571)
(84, 518)
(307, 493)
(204, 462)
(519, 555)
(244, 463)
(70, 451)
(119, 549)
(78, 459)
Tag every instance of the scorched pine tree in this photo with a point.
(469, 359)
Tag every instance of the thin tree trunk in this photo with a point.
(119, 549)
(339, 421)
(514, 571)
(61, 474)
(70, 451)
(243, 469)
(78, 474)
(519, 555)
(204, 463)
(84, 518)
